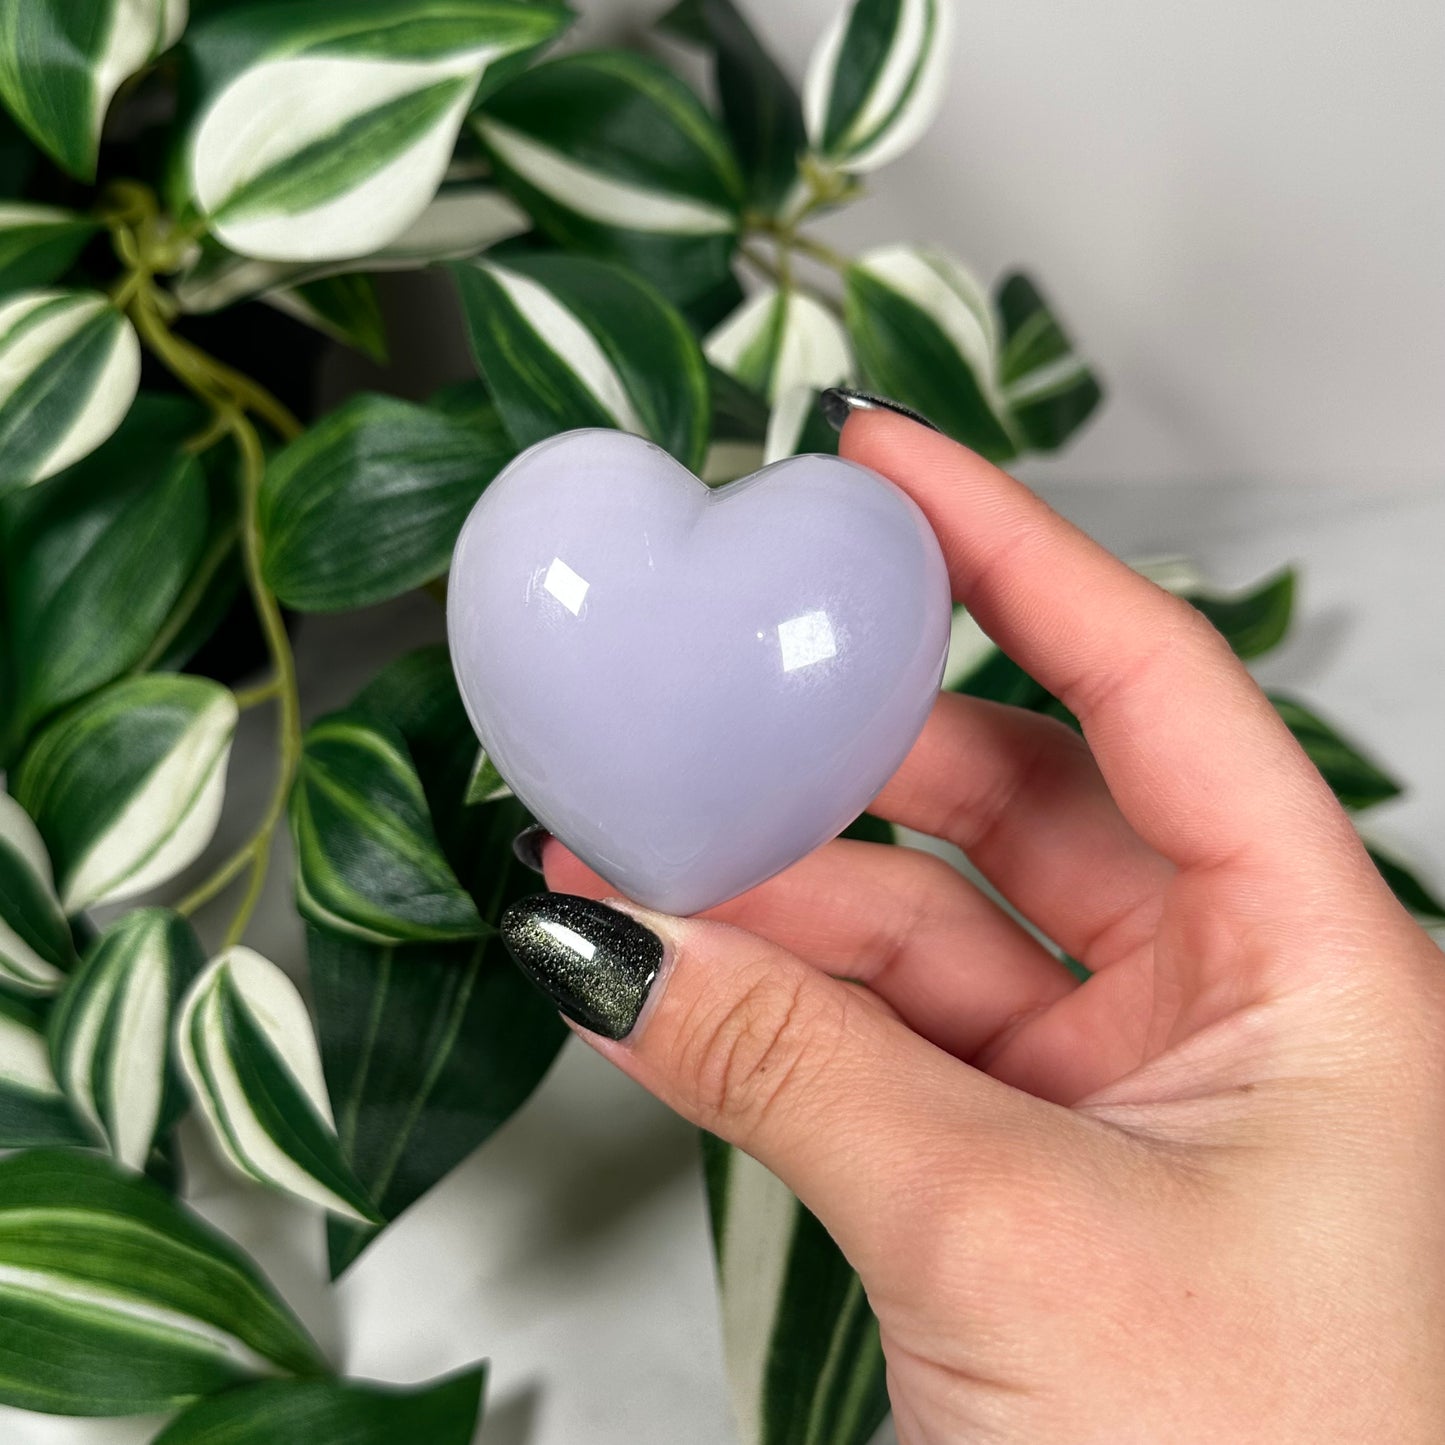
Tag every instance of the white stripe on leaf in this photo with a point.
(39, 334)
(460, 221)
(276, 109)
(25, 1060)
(786, 422)
(101, 1303)
(572, 342)
(110, 1032)
(23, 856)
(272, 1003)
(759, 1218)
(599, 197)
(779, 340)
(165, 827)
(139, 31)
(905, 96)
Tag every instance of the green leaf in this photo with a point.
(110, 1031)
(249, 1057)
(96, 559)
(924, 334)
(1049, 390)
(1356, 781)
(335, 1412)
(802, 1345)
(612, 155)
(368, 862)
(999, 678)
(61, 64)
(1253, 621)
(345, 308)
(39, 244)
(367, 504)
(865, 828)
(33, 1111)
(486, 784)
(326, 126)
(1425, 905)
(761, 110)
(429, 1048)
(115, 1300)
(781, 339)
(876, 80)
(566, 341)
(36, 950)
(69, 368)
(126, 787)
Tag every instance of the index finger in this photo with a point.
(1193, 752)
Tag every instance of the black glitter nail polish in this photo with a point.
(595, 963)
(838, 403)
(528, 844)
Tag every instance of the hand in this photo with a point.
(1196, 1198)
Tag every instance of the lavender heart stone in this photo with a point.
(692, 686)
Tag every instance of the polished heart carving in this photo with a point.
(694, 686)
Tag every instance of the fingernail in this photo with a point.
(838, 403)
(596, 963)
(528, 844)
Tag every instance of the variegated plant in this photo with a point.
(625, 254)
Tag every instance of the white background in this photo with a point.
(1238, 209)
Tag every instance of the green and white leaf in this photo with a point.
(367, 504)
(39, 244)
(761, 110)
(116, 1300)
(429, 1048)
(876, 79)
(249, 1057)
(33, 1111)
(336, 1412)
(1356, 781)
(781, 339)
(924, 333)
(460, 221)
(36, 950)
(328, 125)
(69, 369)
(368, 861)
(568, 341)
(61, 63)
(126, 787)
(803, 1352)
(110, 1031)
(613, 155)
(1049, 390)
(95, 561)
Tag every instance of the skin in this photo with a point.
(1200, 1197)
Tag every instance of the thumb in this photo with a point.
(865, 1121)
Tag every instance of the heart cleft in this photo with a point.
(691, 686)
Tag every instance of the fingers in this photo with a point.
(950, 963)
(1192, 750)
(1023, 797)
(857, 1114)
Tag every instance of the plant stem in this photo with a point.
(268, 611)
(144, 247)
(249, 697)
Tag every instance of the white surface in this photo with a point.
(1238, 209)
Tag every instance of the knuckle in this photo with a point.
(747, 1055)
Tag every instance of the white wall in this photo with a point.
(1237, 205)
